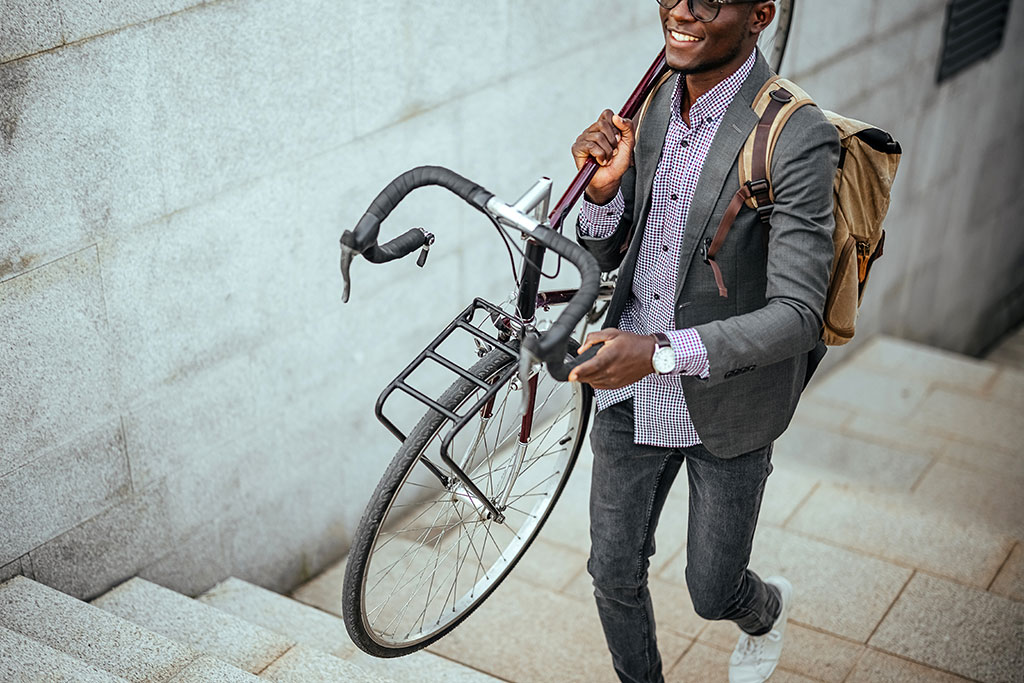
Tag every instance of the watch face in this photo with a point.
(664, 360)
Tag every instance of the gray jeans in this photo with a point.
(627, 494)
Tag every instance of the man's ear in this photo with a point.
(761, 16)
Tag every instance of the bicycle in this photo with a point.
(457, 508)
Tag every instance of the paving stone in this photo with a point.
(24, 660)
(811, 653)
(822, 414)
(970, 418)
(305, 665)
(879, 430)
(90, 634)
(1010, 581)
(212, 670)
(549, 565)
(917, 361)
(63, 488)
(56, 362)
(199, 626)
(955, 628)
(673, 608)
(888, 527)
(520, 618)
(785, 489)
(974, 496)
(1008, 387)
(569, 523)
(834, 590)
(314, 628)
(868, 391)
(989, 459)
(703, 663)
(844, 458)
(878, 666)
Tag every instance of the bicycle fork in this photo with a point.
(515, 465)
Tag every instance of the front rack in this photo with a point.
(464, 321)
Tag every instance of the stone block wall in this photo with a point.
(183, 395)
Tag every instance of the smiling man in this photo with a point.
(687, 375)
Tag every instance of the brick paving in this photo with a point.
(894, 508)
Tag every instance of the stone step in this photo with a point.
(208, 669)
(194, 624)
(317, 629)
(24, 660)
(94, 636)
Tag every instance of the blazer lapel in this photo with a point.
(737, 123)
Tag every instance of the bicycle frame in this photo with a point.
(519, 324)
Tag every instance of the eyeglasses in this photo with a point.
(704, 11)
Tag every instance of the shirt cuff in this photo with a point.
(600, 220)
(691, 354)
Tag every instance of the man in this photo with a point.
(685, 374)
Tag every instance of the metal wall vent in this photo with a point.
(974, 30)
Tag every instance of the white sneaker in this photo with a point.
(755, 657)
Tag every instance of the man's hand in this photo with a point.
(610, 142)
(624, 359)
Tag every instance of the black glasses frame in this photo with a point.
(671, 4)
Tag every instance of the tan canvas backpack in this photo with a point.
(868, 161)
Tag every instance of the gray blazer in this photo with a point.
(758, 339)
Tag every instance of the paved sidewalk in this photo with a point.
(894, 508)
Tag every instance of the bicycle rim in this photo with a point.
(772, 42)
(430, 555)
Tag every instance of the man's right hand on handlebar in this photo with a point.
(610, 142)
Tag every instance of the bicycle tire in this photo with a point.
(368, 549)
(773, 41)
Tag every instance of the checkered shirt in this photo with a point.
(661, 417)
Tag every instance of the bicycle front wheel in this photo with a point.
(426, 552)
(772, 42)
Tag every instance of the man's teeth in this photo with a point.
(683, 38)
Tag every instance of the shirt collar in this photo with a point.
(714, 102)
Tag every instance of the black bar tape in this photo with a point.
(560, 369)
(396, 248)
(551, 347)
(380, 208)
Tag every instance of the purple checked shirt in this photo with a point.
(661, 417)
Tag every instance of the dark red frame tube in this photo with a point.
(586, 174)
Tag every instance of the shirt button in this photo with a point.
(675, 197)
(656, 297)
(684, 143)
(664, 247)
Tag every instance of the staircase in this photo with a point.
(235, 632)
(894, 507)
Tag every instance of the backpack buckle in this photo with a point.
(764, 212)
(758, 188)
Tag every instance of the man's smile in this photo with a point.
(680, 37)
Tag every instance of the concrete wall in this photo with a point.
(182, 393)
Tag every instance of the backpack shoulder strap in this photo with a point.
(774, 104)
(777, 101)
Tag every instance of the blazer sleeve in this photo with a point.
(800, 255)
(609, 251)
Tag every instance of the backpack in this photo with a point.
(868, 161)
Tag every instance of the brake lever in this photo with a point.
(347, 254)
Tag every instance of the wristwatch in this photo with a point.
(664, 360)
